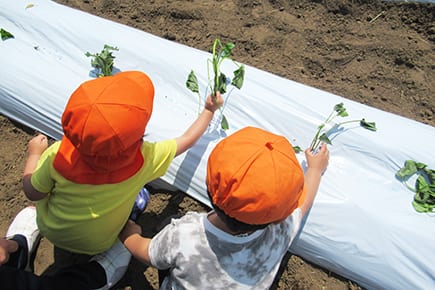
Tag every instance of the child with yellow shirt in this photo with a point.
(86, 184)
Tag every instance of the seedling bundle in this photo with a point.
(424, 187)
(103, 61)
(217, 80)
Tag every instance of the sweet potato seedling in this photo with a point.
(338, 111)
(424, 187)
(217, 80)
(103, 61)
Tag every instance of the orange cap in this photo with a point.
(103, 123)
(254, 177)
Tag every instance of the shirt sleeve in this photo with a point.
(164, 247)
(293, 222)
(158, 156)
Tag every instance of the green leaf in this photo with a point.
(103, 61)
(422, 186)
(368, 125)
(297, 149)
(224, 123)
(109, 47)
(192, 82)
(338, 107)
(222, 88)
(430, 175)
(5, 34)
(424, 197)
(420, 207)
(239, 76)
(343, 113)
(422, 166)
(226, 50)
(325, 139)
(340, 110)
(407, 170)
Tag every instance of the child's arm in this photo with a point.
(317, 164)
(137, 245)
(195, 131)
(36, 147)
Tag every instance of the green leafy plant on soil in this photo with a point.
(424, 187)
(5, 34)
(103, 61)
(217, 80)
(338, 111)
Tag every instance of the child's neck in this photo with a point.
(215, 220)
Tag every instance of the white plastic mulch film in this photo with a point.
(362, 224)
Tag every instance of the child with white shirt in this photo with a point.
(259, 195)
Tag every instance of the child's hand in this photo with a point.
(37, 145)
(129, 229)
(318, 161)
(7, 247)
(214, 103)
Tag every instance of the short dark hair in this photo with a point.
(233, 224)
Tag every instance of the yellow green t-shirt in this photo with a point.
(85, 218)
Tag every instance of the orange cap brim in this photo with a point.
(76, 167)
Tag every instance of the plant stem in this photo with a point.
(313, 142)
(199, 103)
(330, 117)
(215, 68)
(315, 139)
(347, 122)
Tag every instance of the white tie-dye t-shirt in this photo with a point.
(201, 256)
